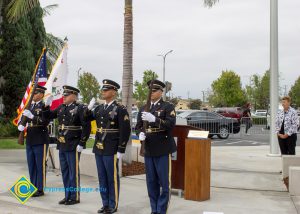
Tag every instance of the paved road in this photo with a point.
(258, 137)
(232, 141)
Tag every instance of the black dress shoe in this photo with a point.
(103, 209)
(63, 201)
(38, 193)
(111, 210)
(71, 202)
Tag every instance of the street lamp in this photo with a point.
(164, 68)
(78, 73)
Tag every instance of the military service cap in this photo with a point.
(40, 89)
(109, 84)
(157, 84)
(70, 90)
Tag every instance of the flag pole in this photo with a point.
(16, 120)
(56, 62)
(33, 81)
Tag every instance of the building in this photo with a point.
(182, 105)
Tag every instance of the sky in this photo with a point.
(232, 35)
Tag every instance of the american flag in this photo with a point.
(40, 75)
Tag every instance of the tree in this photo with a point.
(38, 32)
(195, 104)
(227, 90)
(295, 93)
(127, 79)
(89, 87)
(258, 92)
(17, 61)
(174, 100)
(141, 89)
(20, 8)
(1, 9)
(16, 9)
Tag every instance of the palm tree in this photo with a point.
(18, 8)
(127, 80)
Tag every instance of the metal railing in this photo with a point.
(255, 125)
(223, 127)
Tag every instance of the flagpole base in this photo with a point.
(274, 155)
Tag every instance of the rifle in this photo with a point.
(23, 119)
(147, 109)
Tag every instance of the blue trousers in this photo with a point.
(36, 159)
(109, 181)
(69, 164)
(158, 177)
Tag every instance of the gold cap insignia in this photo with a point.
(173, 113)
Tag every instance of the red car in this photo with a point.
(232, 112)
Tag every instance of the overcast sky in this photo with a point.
(234, 34)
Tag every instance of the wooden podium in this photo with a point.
(180, 133)
(197, 169)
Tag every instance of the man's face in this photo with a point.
(37, 96)
(69, 98)
(156, 94)
(285, 104)
(108, 94)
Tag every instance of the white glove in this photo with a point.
(79, 148)
(21, 128)
(119, 155)
(142, 136)
(28, 114)
(92, 103)
(148, 117)
(49, 100)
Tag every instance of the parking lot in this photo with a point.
(259, 136)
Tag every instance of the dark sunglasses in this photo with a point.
(37, 92)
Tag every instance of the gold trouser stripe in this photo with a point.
(116, 181)
(76, 169)
(44, 165)
(170, 177)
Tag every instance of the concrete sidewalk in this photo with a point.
(243, 180)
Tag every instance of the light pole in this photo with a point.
(164, 68)
(78, 73)
(274, 150)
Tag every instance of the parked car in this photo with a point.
(231, 112)
(179, 111)
(215, 123)
(260, 114)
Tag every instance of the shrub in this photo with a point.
(7, 129)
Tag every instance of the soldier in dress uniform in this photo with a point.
(159, 145)
(113, 132)
(73, 132)
(37, 140)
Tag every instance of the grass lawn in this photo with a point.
(10, 143)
